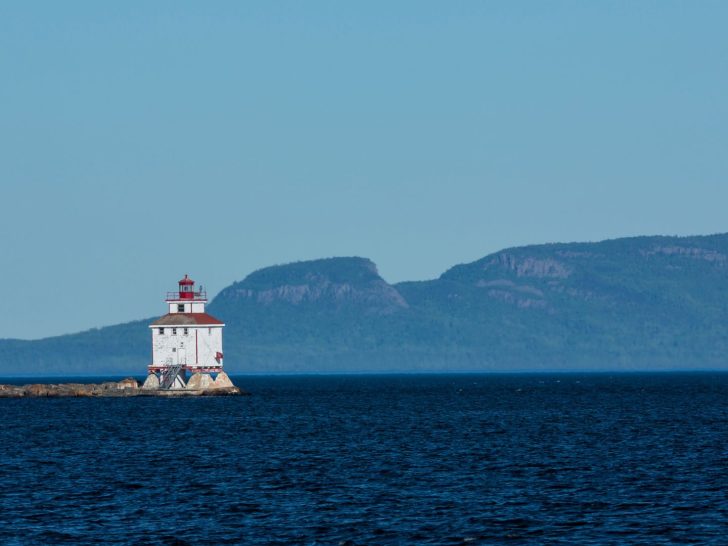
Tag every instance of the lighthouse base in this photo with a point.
(202, 381)
(127, 387)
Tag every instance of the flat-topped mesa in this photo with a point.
(186, 339)
(328, 285)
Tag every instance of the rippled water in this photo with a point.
(588, 459)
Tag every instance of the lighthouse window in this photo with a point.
(186, 331)
(209, 331)
(180, 307)
(174, 331)
(161, 331)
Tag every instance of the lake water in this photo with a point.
(409, 459)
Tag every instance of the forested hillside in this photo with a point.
(625, 304)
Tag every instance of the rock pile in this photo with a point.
(126, 387)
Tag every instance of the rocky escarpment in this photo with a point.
(334, 283)
(556, 278)
(126, 387)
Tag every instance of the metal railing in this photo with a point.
(196, 296)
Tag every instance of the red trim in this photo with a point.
(202, 369)
(194, 296)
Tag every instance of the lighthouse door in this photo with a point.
(181, 356)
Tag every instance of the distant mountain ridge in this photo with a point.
(624, 304)
(334, 281)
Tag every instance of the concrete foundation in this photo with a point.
(222, 381)
(198, 383)
(151, 382)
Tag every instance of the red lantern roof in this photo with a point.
(186, 281)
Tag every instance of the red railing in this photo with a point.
(188, 367)
(196, 296)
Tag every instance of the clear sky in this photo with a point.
(141, 141)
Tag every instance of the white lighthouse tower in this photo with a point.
(184, 340)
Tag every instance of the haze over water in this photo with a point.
(415, 459)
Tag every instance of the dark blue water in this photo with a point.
(542, 459)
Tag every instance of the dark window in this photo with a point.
(161, 331)
(174, 331)
(180, 307)
(186, 331)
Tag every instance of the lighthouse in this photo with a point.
(186, 341)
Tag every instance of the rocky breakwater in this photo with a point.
(124, 388)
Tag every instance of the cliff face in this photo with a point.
(331, 284)
(638, 303)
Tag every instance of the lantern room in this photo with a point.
(186, 299)
(186, 289)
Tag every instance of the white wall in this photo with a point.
(209, 342)
(167, 348)
(189, 307)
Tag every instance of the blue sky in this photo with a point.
(144, 140)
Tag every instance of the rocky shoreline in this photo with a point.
(125, 388)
